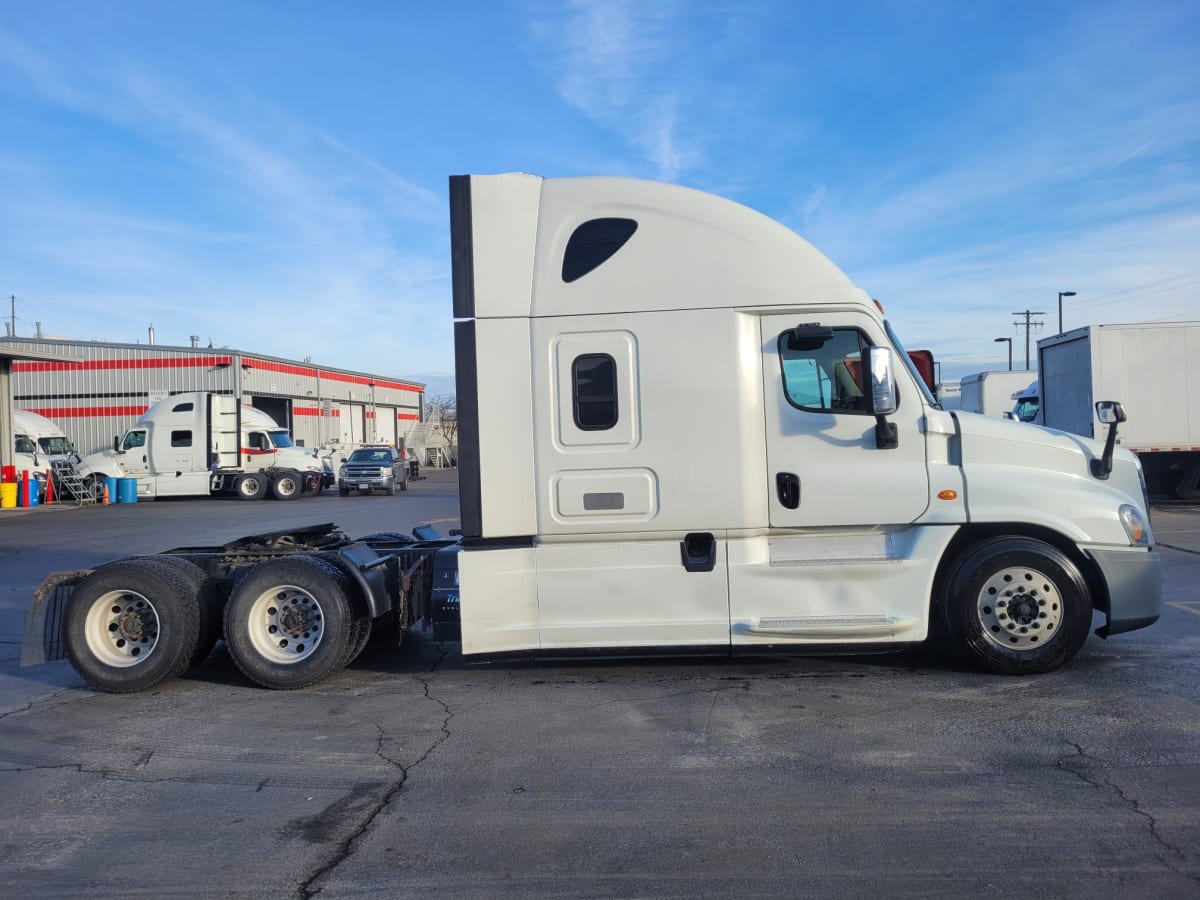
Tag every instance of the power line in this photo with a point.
(1028, 326)
(1118, 296)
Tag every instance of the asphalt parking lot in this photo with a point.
(414, 773)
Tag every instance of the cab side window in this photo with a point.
(133, 440)
(594, 391)
(825, 379)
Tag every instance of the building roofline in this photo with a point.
(14, 353)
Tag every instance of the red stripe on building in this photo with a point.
(77, 412)
(283, 368)
(379, 382)
(93, 365)
(408, 417)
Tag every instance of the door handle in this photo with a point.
(788, 486)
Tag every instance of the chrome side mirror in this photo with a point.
(881, 381)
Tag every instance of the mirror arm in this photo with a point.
(1102, 467)
(886, 435)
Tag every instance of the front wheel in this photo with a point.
(1016, 606)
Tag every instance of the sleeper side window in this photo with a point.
(594, 391)
(828, 378)
(181, 439)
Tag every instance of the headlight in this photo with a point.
(342, 471)
(1135, 526)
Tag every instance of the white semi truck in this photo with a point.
(198, 443)
(618, 342)
(38, 446)
(1152, 369)
(991, 393)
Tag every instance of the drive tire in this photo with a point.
(390, 490)
(287, 485)
(290, 622)
(251, 486)
(110, 608)
(1015, 606)
(211, 603)
(360, 637)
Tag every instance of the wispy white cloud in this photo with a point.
(322, 225)
(621, 64)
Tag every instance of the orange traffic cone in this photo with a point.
(49, 486)
(104, 494)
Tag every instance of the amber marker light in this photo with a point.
(947, 495)
(879, 306)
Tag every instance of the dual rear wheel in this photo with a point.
(288, 622)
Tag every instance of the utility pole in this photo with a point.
(13, 317)
(1028, 314)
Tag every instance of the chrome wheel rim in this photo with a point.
(286, 624)
(1020, 609)
(122, 629)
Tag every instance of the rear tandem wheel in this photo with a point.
(130, 624)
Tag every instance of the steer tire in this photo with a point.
(290, 622)
(251, 486)
(1015, 606)
(110, 608)
(211, 600)
(287, 485)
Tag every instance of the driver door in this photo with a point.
(136, 451)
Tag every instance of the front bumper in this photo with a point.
(1134, 581)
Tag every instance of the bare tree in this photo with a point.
(443, 410)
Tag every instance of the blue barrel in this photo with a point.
(127, 490)
(112, 489)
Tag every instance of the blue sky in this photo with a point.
(273, 176)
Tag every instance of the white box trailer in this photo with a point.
(680, 429)
(1153, 369)
(991, 393)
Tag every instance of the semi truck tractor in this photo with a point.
(39, 445)
(617, 343)
(1151, 369)
(198, 443)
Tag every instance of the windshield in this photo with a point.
(56, 446)
(380, 456)
(281, 439)
(908, 364)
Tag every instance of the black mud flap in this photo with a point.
(43, 639)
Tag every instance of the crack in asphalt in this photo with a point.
(1133, 804)
(349, 845)
(32, 703)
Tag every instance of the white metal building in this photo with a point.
(104, 388)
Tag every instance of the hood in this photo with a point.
(1025, 467)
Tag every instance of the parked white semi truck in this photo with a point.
(1152, 369)
(38, 445)
(198, 443)
(618, 342)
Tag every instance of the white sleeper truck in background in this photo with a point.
(620, 342)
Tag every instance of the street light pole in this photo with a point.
(1009, 342)
(1062, 294)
